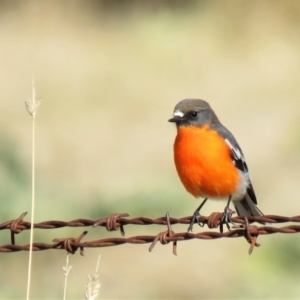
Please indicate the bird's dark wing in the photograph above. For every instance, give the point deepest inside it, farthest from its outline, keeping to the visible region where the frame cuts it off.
(237, 155)
(239, 161)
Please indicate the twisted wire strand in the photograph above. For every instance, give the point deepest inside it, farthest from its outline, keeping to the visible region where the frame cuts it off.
(243, 228)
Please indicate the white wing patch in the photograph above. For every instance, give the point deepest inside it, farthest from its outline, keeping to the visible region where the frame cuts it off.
(237, 155)
(239, 161)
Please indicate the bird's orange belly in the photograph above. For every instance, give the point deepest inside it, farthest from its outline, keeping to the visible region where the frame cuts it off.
(203, 163)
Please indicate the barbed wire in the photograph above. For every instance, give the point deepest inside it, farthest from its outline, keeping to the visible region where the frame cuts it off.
(242, 228)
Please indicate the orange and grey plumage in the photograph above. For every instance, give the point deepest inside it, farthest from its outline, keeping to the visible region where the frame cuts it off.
(208, 159)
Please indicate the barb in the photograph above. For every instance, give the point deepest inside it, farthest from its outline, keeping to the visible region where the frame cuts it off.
(14, 227)
(162, 237)
(66, 243)
(111, 223)
(251, 239)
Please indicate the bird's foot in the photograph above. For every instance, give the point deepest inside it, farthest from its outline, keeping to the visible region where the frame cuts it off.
(195, 219)
(226, 219)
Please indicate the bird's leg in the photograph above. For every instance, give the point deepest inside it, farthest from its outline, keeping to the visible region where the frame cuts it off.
(226, 218)
(196, 217)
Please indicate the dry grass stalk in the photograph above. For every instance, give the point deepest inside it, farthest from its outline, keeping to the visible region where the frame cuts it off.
(92, 288)
(32, 106)
(66, 269)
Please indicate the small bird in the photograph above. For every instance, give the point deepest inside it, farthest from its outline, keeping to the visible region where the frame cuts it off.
(210, 162)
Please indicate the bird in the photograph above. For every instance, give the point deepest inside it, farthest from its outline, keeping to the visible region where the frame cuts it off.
(210, 162)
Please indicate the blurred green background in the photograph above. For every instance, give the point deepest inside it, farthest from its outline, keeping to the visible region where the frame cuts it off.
(109, 74)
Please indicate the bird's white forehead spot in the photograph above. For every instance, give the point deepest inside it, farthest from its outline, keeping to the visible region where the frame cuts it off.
(178, 113)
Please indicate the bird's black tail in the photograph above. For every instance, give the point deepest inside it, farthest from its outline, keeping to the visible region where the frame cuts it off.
(246, 207)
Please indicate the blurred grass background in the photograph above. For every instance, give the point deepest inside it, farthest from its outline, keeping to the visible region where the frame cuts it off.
(109, 74)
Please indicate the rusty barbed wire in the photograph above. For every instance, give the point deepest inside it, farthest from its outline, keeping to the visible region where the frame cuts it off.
(121, 220)
(242, 228)
(143, 239)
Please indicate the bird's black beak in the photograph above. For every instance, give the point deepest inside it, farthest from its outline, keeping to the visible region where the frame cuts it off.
(175, 119)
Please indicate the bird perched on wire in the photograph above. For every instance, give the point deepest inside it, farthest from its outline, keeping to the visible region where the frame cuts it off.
(210, 162)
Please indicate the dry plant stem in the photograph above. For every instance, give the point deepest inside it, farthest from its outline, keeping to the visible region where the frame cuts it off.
(31, 107)
(66, 269)
(91, 289)
(32, 213)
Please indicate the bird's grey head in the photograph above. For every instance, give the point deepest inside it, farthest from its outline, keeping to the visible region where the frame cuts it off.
(193, 112)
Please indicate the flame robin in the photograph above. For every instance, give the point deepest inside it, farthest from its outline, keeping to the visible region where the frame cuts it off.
(209, 161)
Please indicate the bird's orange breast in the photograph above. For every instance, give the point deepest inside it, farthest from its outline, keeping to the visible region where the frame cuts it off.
(203, 162)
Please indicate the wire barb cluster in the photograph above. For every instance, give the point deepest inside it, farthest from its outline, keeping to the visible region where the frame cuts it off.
(242, 228)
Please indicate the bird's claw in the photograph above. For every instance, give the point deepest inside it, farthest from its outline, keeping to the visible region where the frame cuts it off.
(195, 219)
(226, 219)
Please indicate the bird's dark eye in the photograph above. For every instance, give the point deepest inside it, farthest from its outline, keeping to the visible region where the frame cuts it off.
(193, 114)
